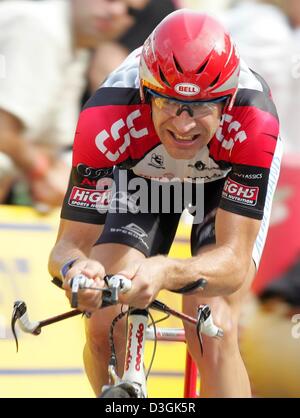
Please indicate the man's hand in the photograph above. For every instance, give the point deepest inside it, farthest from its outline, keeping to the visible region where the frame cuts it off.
(88, 300)
(148, 277)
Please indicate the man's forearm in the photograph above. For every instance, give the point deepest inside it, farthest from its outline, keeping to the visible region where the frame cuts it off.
(60, 255)
(223, 270)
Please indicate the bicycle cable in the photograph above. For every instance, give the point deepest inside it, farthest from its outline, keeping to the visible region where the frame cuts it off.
(113, 358)
(155, 344)
(164, 318)
(199, 335)
(154, 323)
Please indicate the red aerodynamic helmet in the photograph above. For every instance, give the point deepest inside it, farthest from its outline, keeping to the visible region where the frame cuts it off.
(190, 56)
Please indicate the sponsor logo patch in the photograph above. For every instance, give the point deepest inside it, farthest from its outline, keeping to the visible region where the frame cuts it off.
(89, 199)
(254, 176)
(120, 130)
(134, 231)
(199, 166)
(187, 89)
(93, 173)
(157, 161)
(240, 193)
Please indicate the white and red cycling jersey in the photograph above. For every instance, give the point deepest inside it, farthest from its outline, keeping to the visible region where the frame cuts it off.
(115, 129)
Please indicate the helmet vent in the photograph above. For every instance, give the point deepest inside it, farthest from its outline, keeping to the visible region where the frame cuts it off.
(202, 68)
(179, 69)
(162, 76)
(215, 80)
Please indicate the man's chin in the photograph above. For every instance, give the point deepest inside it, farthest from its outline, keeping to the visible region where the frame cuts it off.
(179, 154)
(182, 150)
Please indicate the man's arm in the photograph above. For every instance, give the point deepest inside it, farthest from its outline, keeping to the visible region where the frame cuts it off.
(47, 176)
(13, 144)
(74, 241)
(225, 264)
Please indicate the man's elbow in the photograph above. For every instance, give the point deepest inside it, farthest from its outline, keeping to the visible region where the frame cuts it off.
(238, 276)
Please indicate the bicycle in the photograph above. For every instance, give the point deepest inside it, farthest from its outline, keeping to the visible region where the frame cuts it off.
(133, 383)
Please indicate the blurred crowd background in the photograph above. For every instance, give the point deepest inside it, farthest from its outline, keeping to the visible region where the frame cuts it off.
(55, 53)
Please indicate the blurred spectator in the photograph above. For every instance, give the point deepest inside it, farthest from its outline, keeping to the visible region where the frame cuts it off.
(266, 41)
(268, 36)
(43, 61)
(145, 21)
(270, 334)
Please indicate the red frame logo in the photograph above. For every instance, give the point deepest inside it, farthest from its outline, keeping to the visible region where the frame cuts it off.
(140, 336)
(129, 355)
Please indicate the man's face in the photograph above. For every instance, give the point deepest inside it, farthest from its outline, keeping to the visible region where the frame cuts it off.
(292, 8)
(184, 135)
(99, 20)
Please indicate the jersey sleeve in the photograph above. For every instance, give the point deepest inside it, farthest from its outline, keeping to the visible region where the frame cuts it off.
(109, 133)
(88, 195)
(255, 159)
(91, 178)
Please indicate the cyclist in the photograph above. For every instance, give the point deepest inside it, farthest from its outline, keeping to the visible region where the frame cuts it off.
(185, 107)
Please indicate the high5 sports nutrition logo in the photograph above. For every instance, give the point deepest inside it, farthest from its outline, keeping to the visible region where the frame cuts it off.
(240, 193)
(89, 199)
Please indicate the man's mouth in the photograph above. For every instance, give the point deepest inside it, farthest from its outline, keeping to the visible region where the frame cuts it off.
(184, 138)
(103, 23)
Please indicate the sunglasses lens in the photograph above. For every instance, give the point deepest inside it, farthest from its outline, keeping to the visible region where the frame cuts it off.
(171, 107)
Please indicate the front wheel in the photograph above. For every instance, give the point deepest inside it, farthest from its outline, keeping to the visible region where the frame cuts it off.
(120, 391)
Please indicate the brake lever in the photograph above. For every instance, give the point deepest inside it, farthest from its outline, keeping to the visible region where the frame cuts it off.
(203, 313)
(19, 311)
(14, 318)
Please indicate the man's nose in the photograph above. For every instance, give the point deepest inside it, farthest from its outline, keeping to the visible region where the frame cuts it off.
(184, 122)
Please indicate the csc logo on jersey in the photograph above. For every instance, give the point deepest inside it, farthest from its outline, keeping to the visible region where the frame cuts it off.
(234, 130)
(240, 193)
(114, 133)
